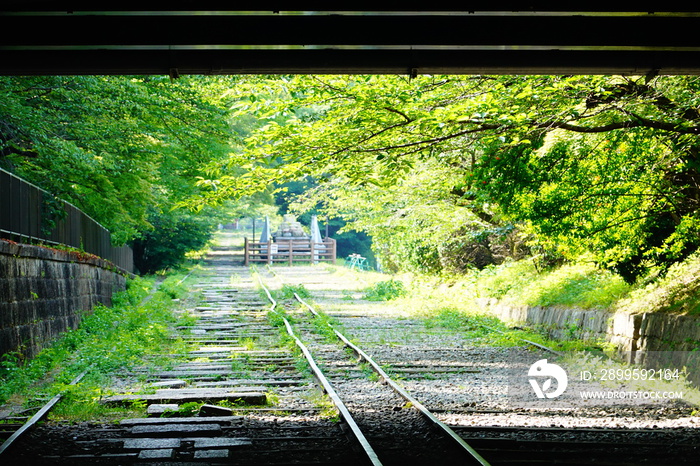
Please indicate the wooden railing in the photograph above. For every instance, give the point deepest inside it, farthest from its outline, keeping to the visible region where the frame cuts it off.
(290, 250)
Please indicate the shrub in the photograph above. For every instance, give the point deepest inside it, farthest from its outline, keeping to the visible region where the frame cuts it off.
(582, 285)
(386, 290)
(173, 236)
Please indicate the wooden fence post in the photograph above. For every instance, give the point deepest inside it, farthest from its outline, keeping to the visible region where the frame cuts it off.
(246, 252)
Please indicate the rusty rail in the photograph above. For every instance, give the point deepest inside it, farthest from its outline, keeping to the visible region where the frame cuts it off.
(344, 412)
(471, 455)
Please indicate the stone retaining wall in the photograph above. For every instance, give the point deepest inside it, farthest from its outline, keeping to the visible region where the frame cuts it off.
(641, 338)
(44, 292)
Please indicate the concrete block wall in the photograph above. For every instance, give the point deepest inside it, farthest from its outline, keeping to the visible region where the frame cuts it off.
(44, 292)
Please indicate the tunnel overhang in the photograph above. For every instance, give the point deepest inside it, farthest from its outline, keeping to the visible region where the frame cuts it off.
(174, 38)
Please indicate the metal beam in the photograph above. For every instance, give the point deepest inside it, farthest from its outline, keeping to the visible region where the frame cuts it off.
(208, 62)
(153, 40)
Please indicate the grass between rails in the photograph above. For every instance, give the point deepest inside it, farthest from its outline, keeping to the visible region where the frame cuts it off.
(288, 307)
(109, 340)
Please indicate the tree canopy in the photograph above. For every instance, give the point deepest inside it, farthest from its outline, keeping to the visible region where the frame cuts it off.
(125, 150)
(112, 146)
(602, 164)
(444, 172)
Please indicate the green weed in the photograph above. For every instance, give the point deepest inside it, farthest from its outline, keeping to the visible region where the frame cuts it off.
(288, 291)
(582, 285)
(173, 287)
(189, 409)
(248, 343)
(328, 409)
(386, 290)
(324, 325)
(272, 398)
(108, 340)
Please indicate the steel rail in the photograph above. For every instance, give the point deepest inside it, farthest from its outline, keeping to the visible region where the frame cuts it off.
(473, 455)
(327, 386)
(37, 417)
(53, 401)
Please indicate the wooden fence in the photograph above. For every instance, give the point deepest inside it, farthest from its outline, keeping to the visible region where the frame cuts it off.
(290, 250)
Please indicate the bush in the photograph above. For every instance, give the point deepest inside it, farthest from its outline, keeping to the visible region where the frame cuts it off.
(288, 291)
(478, 247)
(173, 236)
(577, 284)
(386, 290)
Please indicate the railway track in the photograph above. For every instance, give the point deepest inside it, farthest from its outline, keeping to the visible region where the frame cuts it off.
(254, 404)
(392, 426)
(426, 368)
(258, 400)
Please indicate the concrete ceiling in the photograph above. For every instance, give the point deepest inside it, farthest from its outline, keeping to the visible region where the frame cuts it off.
(208, 37)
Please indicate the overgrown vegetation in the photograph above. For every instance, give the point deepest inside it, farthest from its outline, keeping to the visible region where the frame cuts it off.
(109, 340)
(581, 284)
(487, 330)
(288, 291)
(552, 190)
(386, 290)
(678, 291)
(326, 326)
